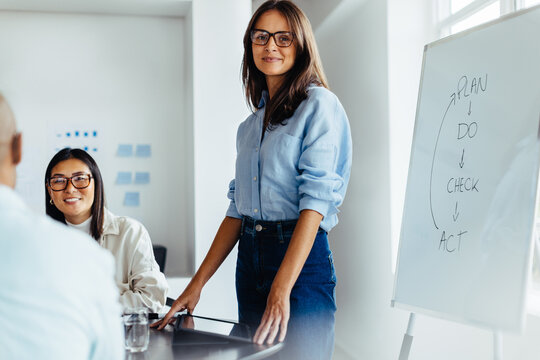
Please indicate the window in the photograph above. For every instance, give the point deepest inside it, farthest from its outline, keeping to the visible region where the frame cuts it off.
(528, 3)
(458, 15)
(490, 12)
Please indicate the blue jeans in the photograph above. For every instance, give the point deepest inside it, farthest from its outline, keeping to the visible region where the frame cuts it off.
(262, 246)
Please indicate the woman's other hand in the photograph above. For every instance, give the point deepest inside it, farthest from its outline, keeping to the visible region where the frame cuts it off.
(275, 318)
(277, 312)
(225, 240)
(186, 301)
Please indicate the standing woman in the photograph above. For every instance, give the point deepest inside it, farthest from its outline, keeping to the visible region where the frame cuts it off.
(74, 195)
(292, 169)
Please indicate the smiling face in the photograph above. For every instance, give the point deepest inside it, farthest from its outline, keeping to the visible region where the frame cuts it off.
(273, 61)
(75, 204)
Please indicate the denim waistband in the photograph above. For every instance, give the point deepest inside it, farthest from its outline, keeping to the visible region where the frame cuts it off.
(269, 227)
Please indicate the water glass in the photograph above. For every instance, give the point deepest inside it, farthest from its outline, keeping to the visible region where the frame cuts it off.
(137, 332)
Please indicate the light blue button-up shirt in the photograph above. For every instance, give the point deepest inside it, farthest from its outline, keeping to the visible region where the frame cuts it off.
(304, 164)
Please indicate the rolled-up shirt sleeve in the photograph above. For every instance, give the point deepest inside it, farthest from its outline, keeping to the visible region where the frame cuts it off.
(147, 285)
(232, 211)
(325, 161)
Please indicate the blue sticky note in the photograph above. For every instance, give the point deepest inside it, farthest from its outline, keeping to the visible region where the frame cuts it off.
(142, 178)
(124, 150)
(132, 199)
(143, 150)
(123, 178)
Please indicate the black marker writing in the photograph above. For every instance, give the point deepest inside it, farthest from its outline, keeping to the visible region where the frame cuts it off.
(462, 184)
(452, 242)
(469, 130)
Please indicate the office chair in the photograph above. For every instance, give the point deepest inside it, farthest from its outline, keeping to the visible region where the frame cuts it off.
(160, 254)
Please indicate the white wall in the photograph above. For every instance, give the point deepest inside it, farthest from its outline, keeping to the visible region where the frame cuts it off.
(219, 107)
(173, 82)
(356, 67)
(410, 27)
(122, 76)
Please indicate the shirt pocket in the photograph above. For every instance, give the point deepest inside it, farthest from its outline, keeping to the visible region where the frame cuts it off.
(279, 160)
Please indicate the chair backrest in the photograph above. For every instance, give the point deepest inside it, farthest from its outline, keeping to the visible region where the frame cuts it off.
(160, 254)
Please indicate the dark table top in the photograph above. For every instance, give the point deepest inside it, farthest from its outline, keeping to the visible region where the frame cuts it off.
(160, 348)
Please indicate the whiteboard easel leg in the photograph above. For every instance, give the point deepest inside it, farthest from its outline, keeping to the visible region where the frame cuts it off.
(407, 339)
(497, 345)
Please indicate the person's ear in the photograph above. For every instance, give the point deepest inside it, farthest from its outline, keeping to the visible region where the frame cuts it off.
(48, 189)
(16, 148)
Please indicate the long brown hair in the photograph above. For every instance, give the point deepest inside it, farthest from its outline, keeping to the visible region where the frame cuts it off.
(97, 210)
(307, 69)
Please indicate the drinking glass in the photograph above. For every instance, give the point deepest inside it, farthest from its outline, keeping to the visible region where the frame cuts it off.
(137, 332)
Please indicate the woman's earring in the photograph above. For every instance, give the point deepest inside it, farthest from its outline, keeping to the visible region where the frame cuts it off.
(50, 201)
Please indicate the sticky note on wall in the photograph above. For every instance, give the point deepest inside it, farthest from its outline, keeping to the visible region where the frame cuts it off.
(124, 150)
(123, 178)
(132, 199)
(142, 178)
(143, 150)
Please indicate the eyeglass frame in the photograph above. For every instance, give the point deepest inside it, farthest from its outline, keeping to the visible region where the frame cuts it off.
(69, 179)
(251, 33)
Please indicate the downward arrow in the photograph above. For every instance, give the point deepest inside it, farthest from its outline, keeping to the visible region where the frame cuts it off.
(456, 213)
(461, 163)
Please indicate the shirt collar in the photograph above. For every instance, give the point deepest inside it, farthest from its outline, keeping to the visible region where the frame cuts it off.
(264, 98)
(110, 227)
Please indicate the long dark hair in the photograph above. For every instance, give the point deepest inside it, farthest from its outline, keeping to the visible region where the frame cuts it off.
(96, 225)
(307, 69)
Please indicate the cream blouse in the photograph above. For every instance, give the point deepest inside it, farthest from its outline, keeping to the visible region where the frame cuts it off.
(137, 274)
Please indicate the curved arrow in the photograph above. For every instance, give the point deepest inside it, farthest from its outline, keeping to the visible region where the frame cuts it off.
(433, 164)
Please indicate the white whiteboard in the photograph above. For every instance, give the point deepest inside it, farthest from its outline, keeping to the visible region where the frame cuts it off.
(466, 237)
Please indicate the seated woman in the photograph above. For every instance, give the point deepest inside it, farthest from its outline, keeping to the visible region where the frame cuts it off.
(75, 196)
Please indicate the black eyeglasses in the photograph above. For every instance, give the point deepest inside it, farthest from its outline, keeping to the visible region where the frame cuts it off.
(281, 38)
(59, 183)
